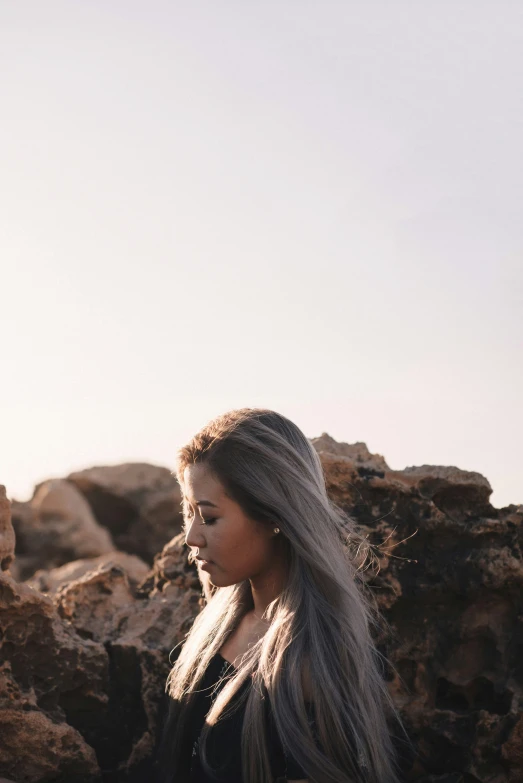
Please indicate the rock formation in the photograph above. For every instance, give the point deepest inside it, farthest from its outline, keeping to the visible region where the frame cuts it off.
(82, 676)
(7, 534)
(48, 581)
(39, 657)
(138, 503)
(82, 669)
(452, 597)
(358, 453)
(133, 508)
(55, 527)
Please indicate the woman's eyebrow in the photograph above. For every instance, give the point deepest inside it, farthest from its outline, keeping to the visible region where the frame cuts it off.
(202, 502)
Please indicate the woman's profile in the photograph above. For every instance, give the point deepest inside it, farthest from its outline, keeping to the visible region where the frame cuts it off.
(278, 678)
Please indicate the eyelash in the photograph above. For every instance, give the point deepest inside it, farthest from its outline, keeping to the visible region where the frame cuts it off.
(188, 518)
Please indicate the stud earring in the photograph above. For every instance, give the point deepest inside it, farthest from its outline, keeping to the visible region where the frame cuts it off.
(276, 529)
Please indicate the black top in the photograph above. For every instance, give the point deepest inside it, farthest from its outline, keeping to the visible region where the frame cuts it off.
(224, 739)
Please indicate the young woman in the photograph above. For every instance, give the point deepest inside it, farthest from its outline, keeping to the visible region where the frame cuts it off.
(278, 678)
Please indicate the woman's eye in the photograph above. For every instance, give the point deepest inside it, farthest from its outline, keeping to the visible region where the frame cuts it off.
(188, 518)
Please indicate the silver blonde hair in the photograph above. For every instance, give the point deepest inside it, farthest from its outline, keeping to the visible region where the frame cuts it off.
(321, 621)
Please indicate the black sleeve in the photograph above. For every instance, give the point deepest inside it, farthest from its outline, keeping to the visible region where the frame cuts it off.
(293, 771)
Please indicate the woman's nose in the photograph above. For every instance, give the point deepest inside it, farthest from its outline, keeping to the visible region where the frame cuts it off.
(193, 536)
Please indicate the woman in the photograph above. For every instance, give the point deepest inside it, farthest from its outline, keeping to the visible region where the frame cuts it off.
(278, 677)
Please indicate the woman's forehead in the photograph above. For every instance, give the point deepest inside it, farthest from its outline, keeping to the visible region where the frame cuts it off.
(199, 485)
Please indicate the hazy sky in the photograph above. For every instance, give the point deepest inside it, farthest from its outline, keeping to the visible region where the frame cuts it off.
(310, 206)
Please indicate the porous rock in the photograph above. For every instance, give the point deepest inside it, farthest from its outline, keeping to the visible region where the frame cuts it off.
(7, 534)
(358, 453)
(450, 587)
(83, 676)
(48, 678)
(49, 581)
(139, 636)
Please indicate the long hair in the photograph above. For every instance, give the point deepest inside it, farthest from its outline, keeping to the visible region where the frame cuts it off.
(321, 622)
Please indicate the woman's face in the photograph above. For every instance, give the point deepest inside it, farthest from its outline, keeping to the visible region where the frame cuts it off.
(217, 529)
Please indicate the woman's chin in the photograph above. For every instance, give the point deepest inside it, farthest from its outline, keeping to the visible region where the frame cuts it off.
(222, 581)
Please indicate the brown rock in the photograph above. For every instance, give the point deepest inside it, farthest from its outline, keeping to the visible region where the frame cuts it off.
(452, 490)
(49, 581)
(55, 527)
(55, 747)
(138, 503)
(139, 636)
(91, 602)
(47, 678)
(512, 752)
(450, 587)
(171, 566)
(98, 669)
(355, 452)
(7, 534)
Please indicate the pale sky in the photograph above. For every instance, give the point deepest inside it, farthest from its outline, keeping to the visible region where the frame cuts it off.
(314, 207)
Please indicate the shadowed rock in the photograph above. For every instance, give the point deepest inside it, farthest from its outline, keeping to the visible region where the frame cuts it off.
(55, 527)
(82, 677)
(138, 503)
(7, 534)
(45, 666)
(452, 595)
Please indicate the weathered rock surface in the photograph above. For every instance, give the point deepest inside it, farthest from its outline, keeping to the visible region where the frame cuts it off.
(355, 452)
(138, 503)
(7, 534)
(82, 677)
(452, 595)
(48, 677)
(86, 667)
(55, 527)
(171, 567)
(49, 581)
